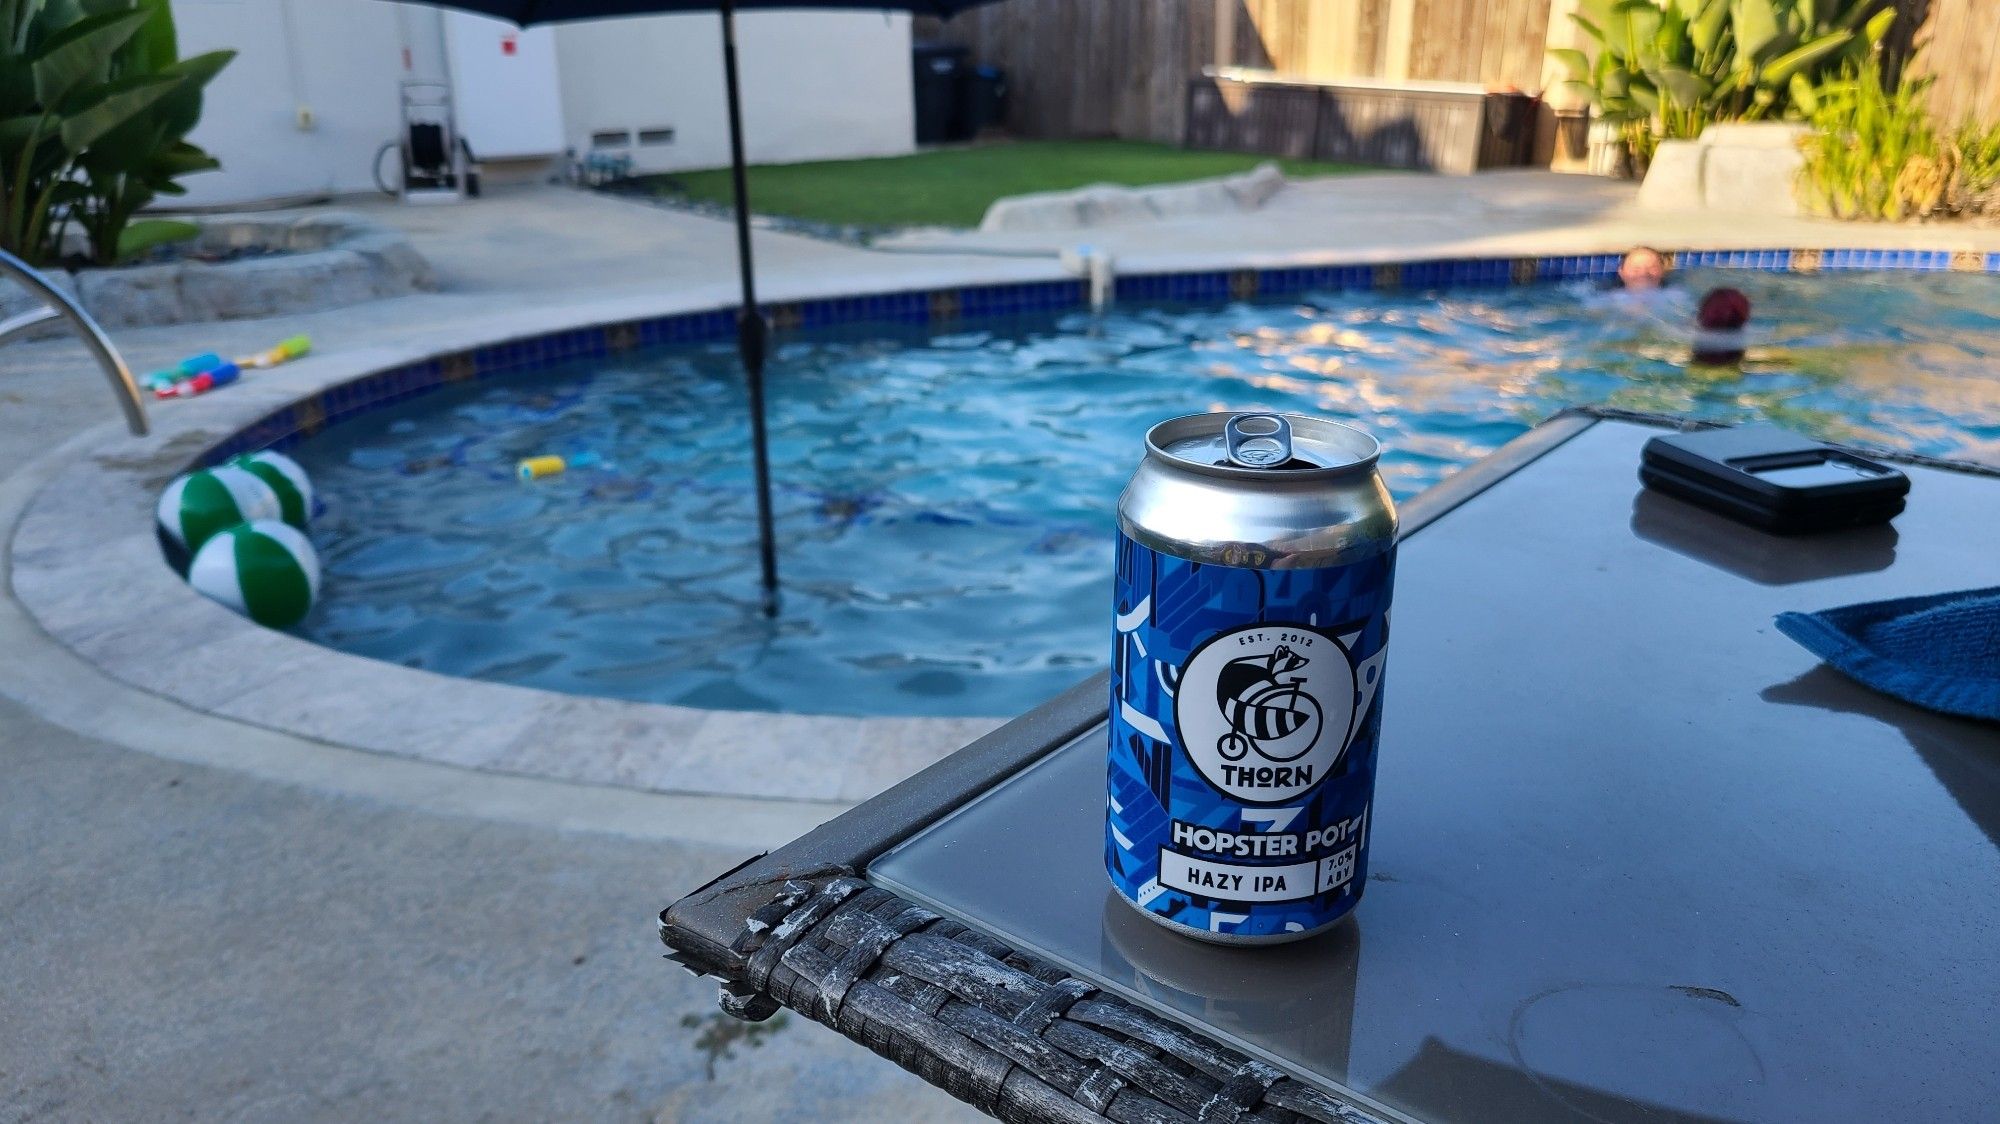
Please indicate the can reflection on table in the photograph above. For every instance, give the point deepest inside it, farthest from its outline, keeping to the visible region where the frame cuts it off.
(1256, 555)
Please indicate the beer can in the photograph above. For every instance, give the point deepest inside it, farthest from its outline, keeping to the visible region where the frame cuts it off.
(1256, 555)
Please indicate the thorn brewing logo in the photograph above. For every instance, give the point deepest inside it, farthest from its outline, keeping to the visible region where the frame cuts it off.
(1264, 711)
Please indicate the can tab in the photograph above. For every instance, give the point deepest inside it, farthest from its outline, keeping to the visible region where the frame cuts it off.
(1258, 440)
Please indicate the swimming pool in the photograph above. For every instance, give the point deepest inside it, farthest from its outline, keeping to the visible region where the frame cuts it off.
(944, 498)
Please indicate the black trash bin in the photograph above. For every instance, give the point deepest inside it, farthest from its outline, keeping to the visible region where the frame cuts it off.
(985, 99)
(939, 83)
(1507, 139)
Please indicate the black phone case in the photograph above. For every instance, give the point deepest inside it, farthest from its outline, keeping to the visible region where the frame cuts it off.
(1706, 468)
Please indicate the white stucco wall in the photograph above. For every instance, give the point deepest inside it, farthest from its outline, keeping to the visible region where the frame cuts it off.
(342, 60)
(816, 85)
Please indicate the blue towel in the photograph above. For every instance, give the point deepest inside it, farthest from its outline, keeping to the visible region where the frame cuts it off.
(1941, 652)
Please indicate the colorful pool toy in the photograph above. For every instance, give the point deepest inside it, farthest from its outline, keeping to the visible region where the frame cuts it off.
(200, 383)
(534, 468)
(199, 374)
(162, 380)
(265, 570)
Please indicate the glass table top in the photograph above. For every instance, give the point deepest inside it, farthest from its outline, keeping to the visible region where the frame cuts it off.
(1636, 856)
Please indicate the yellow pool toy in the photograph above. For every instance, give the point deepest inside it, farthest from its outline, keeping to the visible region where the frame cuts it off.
(534, 468)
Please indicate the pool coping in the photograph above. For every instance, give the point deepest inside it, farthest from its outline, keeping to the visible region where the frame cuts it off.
(89, 529)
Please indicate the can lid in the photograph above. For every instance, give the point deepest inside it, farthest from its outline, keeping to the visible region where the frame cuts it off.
(1261, 444)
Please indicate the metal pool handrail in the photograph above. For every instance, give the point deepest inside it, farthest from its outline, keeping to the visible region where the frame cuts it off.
(61, 304)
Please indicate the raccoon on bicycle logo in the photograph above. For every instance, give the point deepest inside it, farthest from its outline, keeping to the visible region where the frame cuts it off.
(1264, 711)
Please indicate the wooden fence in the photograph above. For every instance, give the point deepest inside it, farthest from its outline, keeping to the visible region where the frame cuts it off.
(1090, 68)
(1960, 48)
(1095, 68)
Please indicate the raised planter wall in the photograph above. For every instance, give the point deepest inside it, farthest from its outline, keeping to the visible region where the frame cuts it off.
(1427, 126)
(324, 260)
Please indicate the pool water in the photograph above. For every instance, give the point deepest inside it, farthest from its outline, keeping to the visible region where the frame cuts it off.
(944, 501)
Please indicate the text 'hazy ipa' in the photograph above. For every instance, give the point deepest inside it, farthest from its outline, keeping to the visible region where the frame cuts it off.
(1256, 553)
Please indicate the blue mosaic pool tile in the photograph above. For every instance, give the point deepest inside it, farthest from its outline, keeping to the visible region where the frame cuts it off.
(1573, 267)
(1424, 274)
(1353, 277)
(1483, 271)
(1278, 282)
(1015, 300)
(1212, 285)
(1140, 287)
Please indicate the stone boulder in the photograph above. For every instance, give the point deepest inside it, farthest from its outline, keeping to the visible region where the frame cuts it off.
(1105, 204)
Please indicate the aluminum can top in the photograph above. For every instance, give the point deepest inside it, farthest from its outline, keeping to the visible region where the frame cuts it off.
(1264, 490)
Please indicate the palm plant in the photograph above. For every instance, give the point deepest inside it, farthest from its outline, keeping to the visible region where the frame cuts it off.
(1666, 69)
(94, 111)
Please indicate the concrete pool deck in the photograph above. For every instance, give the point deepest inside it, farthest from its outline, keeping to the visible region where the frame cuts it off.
(602, 858)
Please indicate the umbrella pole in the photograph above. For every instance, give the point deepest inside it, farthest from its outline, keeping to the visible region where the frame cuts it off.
(751, 331)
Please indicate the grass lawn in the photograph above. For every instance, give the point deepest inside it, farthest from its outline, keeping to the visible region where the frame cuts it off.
(953, 187)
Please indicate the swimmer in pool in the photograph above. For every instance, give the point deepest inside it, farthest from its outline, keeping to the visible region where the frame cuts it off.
(1641, 269)
(1719, 339)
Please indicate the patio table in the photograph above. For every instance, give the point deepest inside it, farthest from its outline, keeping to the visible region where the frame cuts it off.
(1636, 855)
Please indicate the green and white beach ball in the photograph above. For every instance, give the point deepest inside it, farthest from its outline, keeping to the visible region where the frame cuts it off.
(293, 488)
(266, 570)
(198, 505)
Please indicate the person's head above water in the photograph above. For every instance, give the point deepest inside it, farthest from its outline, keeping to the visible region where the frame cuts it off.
(1720, 319)
(1642, 268)
(1723, 310)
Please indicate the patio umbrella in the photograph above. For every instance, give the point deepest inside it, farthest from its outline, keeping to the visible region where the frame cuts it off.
(751, 330)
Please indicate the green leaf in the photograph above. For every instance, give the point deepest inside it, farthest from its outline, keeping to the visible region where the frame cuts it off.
(1756, 25)
(1878, 25)
(1680, 85)
(174, 116)
(1705, 29)
(1590, 27)
(1583, 90)
(1803, 95)
(1642, 19)
(1643, 93)
(17, 85)
(1574, 61)
(15, 131)
(1784, 67)
(1670, 42)
(117, 103)
(155, 47)
(80, 54)
(143, 235)
(182, 108)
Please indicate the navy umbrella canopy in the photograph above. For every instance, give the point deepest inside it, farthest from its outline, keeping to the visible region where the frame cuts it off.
(751, 331)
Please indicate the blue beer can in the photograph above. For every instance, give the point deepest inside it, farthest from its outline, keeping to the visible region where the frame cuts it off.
(1256, 555)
